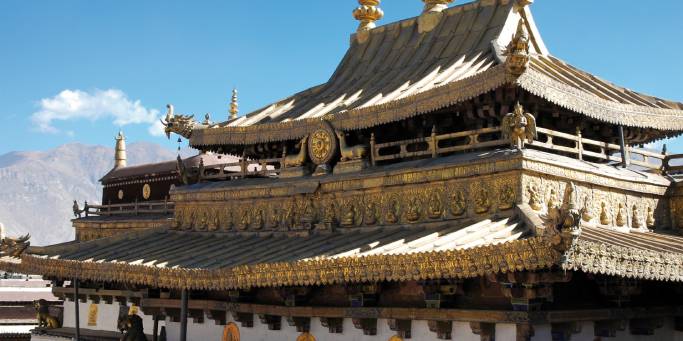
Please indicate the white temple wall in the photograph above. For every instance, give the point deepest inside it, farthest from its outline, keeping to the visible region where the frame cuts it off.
(209, 331)
(420, 332)
(107, 316)
(463, 332)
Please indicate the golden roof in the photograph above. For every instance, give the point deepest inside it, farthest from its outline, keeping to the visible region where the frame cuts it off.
(402, 70)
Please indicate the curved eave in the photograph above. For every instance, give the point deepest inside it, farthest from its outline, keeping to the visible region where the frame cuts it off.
(567, 87)
(520, 255)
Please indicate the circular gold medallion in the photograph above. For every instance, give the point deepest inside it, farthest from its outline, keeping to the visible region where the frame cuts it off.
(305, 336)
(322, 145)
(231, 332)
(120, 194)
(146, 191)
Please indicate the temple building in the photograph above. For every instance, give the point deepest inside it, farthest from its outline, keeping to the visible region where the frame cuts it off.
(453, 180)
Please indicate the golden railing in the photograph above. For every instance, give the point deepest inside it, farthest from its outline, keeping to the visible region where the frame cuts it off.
(555, 141)
(671, 168)
(581, 147)
(130, 209)
(434, 145)
(241, 169)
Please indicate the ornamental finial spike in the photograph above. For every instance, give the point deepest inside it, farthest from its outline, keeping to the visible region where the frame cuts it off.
(367, 13)
(234, 107)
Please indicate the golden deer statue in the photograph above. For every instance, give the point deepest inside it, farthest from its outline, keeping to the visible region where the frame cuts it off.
(356, 152)
(296, 160)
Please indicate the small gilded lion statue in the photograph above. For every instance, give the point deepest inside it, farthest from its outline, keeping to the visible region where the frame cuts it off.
(519, 127)
(45, 320)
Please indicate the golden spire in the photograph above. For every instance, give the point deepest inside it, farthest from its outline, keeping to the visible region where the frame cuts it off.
(436, 5)
(367, 13)
(234, 107)
(120, 151)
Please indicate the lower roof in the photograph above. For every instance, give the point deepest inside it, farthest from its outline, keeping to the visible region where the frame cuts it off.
(221, 261)
(173, 259)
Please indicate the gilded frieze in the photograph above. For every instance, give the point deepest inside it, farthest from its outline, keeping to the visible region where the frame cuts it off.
(603, 206)
(405, 204)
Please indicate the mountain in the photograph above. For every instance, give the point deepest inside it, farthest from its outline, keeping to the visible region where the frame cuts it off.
(37, 189)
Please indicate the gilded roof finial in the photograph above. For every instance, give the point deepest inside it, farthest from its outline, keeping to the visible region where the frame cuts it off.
(234, 107)
(432, 14)
(367, 13)
(120, 151)
(436, 5)
(520, 4)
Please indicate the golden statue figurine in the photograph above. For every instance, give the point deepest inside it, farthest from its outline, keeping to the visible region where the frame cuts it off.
(45, 320)
(519, 127)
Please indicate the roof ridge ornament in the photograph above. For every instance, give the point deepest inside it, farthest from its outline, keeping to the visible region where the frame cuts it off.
(432, 14)
(517, 52)
(367, 13)
(521, 4)
(234, 106)
(179, 124)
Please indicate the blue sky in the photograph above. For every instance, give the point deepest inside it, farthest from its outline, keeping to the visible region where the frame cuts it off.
(132, 57)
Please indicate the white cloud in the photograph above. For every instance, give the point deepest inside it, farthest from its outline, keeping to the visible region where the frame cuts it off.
(71, 105)
(156, 129)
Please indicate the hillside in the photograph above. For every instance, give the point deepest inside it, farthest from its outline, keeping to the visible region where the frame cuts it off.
(38, 188)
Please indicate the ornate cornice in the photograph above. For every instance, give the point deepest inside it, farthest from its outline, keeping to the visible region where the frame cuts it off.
(578, 100)
(529, 254)
(629, 262)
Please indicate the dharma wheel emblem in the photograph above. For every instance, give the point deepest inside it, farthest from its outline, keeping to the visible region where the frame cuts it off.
(322, 145)
(146, 191)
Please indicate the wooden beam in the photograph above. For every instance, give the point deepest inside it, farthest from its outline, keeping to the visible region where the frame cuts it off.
(425, 314)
